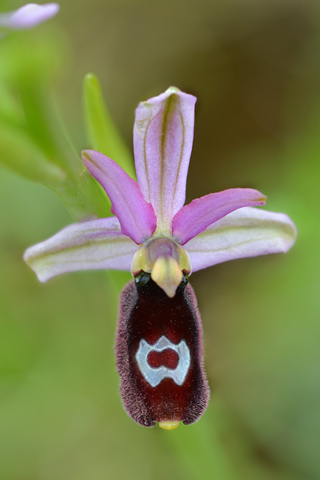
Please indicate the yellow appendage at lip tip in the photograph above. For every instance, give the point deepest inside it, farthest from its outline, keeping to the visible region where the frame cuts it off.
(169, 425)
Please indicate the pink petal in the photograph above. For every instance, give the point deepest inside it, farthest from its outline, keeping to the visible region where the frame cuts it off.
(96, 244)
(136, 216)
(203, 212)
(29, 15)
(162, 137)
(247, 232)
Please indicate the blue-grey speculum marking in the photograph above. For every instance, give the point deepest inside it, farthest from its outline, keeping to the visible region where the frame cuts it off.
(154, 375)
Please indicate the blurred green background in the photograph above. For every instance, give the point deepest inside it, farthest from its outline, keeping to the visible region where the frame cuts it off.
(255, 68)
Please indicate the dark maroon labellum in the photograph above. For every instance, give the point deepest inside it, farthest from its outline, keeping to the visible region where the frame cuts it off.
(159, 354)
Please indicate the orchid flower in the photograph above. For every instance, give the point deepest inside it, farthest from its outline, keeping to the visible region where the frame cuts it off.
(159, 336)
(28, 16)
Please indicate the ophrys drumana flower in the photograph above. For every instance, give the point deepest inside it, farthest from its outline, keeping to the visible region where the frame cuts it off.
(152, 233)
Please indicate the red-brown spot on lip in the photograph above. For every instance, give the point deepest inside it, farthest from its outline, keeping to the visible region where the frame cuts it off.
(168, 358)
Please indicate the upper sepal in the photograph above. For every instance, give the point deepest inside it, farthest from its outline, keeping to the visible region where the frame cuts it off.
(162, 139)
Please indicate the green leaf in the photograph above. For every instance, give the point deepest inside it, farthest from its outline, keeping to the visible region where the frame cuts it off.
(83, 197)
(21, 155)
(101, 130)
